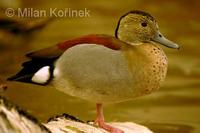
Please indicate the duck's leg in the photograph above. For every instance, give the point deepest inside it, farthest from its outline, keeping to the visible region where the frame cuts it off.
(100, 121)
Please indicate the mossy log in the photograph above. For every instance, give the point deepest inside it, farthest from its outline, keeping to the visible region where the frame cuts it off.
(14, 120)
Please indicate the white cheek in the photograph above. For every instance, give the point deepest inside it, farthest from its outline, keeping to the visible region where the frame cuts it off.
(42, 75)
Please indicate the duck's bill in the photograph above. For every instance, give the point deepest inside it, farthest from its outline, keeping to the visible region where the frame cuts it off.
(159, 38)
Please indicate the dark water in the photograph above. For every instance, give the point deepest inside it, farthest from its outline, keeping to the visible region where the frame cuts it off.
(175, 108)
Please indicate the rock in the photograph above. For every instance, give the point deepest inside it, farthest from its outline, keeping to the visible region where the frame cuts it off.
(13, 119)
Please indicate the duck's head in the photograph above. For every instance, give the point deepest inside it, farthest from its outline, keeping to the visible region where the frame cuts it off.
(138, 26)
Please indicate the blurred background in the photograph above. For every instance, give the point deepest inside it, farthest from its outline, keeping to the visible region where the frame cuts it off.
(175, 108)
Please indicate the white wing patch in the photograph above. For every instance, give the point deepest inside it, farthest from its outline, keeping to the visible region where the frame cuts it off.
(42, 75)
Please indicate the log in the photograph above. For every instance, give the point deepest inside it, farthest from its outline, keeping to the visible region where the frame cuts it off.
(14, 120)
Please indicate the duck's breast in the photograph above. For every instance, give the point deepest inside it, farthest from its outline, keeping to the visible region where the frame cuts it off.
(148, 64)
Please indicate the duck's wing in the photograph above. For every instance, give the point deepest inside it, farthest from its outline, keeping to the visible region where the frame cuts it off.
(42, 61)
(55, 51)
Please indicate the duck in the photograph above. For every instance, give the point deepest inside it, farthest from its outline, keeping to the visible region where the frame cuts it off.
(102, 68)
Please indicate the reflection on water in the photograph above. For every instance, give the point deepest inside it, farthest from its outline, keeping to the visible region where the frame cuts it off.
(175, 108)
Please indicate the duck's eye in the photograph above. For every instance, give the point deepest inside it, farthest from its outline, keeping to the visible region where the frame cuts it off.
(144, 24)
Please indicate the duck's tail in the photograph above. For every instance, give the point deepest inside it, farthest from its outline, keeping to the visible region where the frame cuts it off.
(38, 71)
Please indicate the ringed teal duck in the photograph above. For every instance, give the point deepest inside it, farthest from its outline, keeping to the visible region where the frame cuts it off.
(102, 68)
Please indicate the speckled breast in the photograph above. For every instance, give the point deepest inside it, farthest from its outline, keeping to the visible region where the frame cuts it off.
(148, 64)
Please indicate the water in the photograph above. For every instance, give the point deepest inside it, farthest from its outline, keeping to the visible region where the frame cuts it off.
(175, 108)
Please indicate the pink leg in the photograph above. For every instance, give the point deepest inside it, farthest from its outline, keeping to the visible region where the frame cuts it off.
(100, 121)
